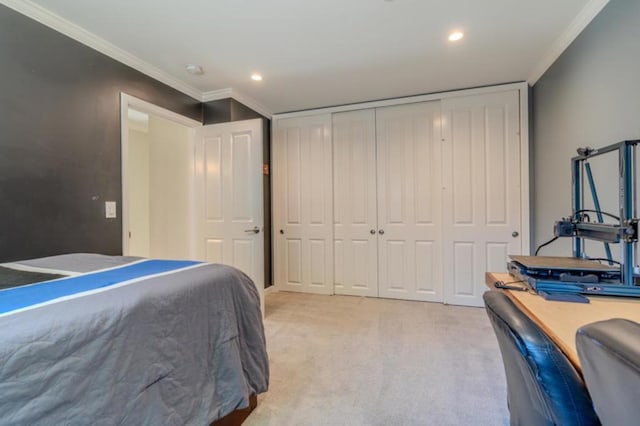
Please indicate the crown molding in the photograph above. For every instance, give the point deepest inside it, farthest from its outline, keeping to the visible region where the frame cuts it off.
(214, 95)
(79, 34)
(76, 32)
(248, 101)
(579, 23)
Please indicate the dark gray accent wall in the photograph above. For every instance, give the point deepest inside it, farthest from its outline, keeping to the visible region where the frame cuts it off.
(226, 110)
(589, 97)
(218, 111)
(60, 140)
(240, 111)
(266, 187)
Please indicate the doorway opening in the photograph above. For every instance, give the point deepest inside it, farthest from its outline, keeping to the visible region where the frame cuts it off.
(157, 181)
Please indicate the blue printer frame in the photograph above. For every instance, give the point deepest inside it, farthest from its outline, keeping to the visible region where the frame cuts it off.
(608, 281)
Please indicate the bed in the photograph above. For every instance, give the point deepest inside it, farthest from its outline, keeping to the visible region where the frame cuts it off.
(102, 340)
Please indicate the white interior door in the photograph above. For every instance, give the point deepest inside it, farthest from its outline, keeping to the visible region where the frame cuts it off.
(482, 217)
(409, 201)
(355, 204)
(229, 196)
(303, 204)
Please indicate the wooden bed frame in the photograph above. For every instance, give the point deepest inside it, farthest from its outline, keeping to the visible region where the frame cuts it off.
(236, 418)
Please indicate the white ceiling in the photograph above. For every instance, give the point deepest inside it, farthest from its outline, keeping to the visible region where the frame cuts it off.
(327, 52)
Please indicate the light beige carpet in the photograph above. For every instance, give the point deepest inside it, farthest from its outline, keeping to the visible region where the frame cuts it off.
(339, 360)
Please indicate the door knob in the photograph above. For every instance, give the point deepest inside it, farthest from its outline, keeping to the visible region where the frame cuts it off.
(372, 232)
(514, 234)
(381, 232)
(253, 230)
(282, 231)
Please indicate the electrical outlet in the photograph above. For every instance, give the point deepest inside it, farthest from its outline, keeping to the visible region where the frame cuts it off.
(110, 209)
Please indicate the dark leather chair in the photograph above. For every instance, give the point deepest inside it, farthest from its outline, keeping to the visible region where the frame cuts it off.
(609, 353)
(543, 388)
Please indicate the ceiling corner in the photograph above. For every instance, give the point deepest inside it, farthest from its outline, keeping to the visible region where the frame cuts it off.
(214, 95)
(229, 92)
(251, 103)
(79, 34)
(579, 23)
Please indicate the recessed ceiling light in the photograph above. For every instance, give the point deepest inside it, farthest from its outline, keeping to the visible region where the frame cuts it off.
(194, 69)
(456, 35)
(256, 77)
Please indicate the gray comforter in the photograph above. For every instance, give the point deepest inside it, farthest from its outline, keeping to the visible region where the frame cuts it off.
(180, 349)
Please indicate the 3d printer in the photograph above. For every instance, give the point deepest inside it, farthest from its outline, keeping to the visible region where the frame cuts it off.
(579, 274)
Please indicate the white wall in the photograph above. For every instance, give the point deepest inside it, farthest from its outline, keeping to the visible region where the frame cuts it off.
(170, 189)
(160, 179)
(589, 97)
(138, 173)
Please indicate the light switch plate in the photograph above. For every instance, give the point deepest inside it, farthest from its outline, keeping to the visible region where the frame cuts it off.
(110, 209)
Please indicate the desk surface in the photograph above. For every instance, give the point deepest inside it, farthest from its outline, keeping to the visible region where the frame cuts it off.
(561, 320)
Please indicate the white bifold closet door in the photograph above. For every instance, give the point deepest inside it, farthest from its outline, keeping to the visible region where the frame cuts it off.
(416, 201)
(481, 202)
(303, 212)
(355, 198)
(409, 202)
(387, 202)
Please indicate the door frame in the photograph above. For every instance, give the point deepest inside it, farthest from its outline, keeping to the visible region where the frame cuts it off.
(126, 102)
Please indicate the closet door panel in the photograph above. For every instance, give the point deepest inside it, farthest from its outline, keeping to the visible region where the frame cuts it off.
(409, 201)
(293, 185)
(303, 204)
(293, 258)
(289, 244)
(425, 267)
(354, 191)
(481, 205)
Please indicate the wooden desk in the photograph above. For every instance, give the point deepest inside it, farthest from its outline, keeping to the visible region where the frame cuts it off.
(561, 320)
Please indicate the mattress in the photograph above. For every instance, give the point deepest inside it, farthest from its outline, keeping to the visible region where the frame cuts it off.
(120, 340)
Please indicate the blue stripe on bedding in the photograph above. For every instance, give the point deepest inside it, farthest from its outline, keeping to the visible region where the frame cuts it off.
(22, 297)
